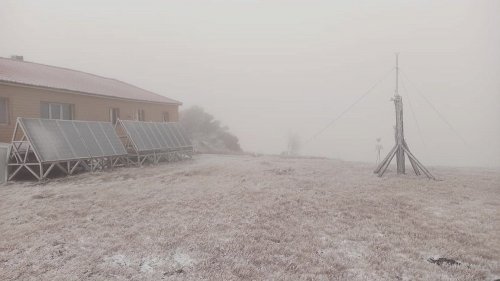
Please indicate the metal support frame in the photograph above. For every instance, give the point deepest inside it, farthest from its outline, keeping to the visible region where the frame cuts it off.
(23, 156)
(155, 157)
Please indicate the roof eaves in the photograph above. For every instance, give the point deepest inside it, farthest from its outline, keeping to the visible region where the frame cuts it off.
(8, 82)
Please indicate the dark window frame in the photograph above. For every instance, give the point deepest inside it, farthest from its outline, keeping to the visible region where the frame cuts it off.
(140, 115)
(112, 116)
(62, 107)
(167, 115)
(5, 101)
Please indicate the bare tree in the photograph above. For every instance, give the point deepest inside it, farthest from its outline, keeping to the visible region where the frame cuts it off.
(293, 145)
(378, 148)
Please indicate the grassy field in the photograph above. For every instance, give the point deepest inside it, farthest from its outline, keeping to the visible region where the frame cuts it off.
(252, 218)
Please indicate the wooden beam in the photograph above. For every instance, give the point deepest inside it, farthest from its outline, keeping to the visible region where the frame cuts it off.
(424, 170)
(385, 160)
(386, 164)
(414, 166)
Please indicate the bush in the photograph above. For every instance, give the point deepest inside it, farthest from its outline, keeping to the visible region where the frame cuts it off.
(207, 133)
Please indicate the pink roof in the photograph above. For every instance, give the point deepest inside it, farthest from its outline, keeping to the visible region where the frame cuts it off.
(40, 75)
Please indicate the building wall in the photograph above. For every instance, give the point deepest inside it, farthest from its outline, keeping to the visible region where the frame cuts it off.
(25, 102)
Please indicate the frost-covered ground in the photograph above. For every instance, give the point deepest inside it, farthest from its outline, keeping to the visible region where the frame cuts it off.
(252, 218)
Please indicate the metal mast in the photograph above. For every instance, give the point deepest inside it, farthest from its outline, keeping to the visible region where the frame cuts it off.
(401, 147)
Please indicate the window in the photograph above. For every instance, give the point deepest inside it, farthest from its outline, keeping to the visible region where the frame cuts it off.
(51, 110)
(166, 117)
(114, 114)
(4, 110)
(139, 115)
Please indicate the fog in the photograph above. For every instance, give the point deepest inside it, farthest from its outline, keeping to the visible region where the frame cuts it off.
(268, 69)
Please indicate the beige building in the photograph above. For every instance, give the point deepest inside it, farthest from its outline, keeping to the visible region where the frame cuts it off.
(40, 91)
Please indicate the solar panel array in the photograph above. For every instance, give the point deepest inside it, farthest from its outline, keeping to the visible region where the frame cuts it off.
(157, 136)
(63, 140)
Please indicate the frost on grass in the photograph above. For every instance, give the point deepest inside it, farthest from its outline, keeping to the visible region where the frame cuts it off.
(252, 218)
(117, 260)
(183, 259)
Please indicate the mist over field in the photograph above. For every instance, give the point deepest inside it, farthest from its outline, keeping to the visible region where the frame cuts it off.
(267, 169)
(268, 69)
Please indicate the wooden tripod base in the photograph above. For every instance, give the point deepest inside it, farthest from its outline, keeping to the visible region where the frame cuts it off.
(402, 148)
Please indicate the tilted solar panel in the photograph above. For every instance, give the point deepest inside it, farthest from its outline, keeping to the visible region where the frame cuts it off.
(150, 131)
(144, 135)
(64, 140)
(169, 131)
(59, 142)
(102, 139)
(88, 138)
(176, 133)
(113, 138)
(134, 135)
(158, 135)
(180, 136)
(40, 139)
(167, 143)
(184, 134)
(75, 141)
(162, 127)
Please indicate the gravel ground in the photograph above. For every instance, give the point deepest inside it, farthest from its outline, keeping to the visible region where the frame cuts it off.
(252, 218)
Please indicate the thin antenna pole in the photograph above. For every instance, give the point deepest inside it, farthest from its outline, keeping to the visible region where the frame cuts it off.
(397, 75)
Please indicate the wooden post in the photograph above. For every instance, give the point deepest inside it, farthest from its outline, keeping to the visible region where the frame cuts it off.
(401, 146)
(400, 154)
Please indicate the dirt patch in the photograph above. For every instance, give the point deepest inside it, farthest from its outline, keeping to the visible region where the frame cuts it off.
(282, 171)
(43, 196)
(174, 272)
(442, 261)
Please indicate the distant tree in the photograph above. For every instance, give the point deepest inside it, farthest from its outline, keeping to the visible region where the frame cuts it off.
(293, 145)
(207, 133)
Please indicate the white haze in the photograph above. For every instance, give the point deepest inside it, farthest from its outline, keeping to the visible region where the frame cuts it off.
(270, 68)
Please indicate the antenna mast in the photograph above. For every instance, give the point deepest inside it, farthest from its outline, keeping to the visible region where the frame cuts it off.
(401, 147)
(397, 76)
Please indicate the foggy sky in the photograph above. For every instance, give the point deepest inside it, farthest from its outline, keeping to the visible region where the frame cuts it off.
(270, 68)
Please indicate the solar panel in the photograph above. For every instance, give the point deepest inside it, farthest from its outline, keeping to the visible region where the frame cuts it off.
(67, 145)
(173, 137)
(64, 140)
(184, 134)
(134, 135)
(165, 139)
(113, 138)
(74, 139)
(88, 139)
(59, 142)
(102, 139)
(144, 135)
(40, 139)
(176, 133)
(156, 136)
(182, 140)
(166, 135)
(150, 130)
